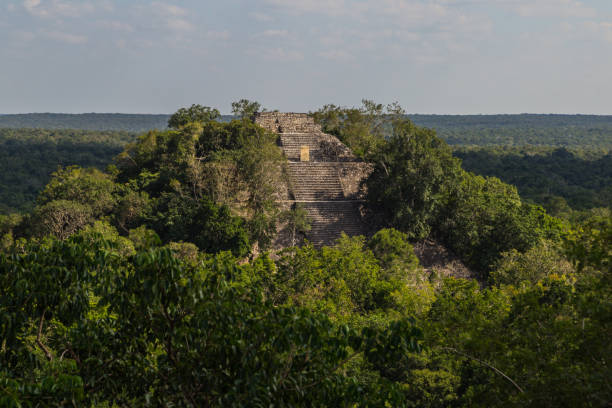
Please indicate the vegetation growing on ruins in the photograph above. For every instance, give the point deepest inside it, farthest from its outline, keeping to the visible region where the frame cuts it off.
(140, 285)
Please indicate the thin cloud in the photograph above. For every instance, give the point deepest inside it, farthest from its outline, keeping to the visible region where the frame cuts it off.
(59, 8)
(402, 10)
(166, 15)
(218, 35)
(330, 7)
(168, 9)
(32, 6)
(278, 54)
(67, 38)
(116, 26)
(601, 29)
(261, 17)
(423, 12)
(275, 33)
(21, 37)
(554, 8)
(179, 24)
(337, 55)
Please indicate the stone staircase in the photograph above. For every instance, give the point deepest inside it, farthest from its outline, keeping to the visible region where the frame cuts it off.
(326, 184)
(292, 142)
(311, 181)
(328, 219)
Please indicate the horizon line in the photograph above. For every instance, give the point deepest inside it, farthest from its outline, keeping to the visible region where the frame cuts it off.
(408, 114)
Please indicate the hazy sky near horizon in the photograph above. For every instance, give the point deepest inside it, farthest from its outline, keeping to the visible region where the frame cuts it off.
(432, 56)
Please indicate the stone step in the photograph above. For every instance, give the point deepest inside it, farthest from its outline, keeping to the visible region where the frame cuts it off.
(315, 181)
(297, 147)
(330, 219)
(291, 144)
(317, 196)
(331, 180)
(294, 141)
(307, 137)
(314, 190)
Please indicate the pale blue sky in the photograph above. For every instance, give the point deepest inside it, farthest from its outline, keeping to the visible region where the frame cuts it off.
(433, 56)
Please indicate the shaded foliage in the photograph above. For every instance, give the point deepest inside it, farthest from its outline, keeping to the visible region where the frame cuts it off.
(411, 171)
(29, 156)
(557, 179)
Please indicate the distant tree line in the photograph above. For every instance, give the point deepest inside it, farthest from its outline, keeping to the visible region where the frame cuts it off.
(85, 121)
(89, 121)
(524, 120)
(593, 131)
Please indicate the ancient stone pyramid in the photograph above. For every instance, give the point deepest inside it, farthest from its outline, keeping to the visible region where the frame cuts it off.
(324, 176)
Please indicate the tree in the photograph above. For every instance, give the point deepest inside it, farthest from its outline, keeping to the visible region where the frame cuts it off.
(411, 172)
(530, 267)
(589, 244)
(44, 289)
(245, 108)
(483, 217)
(89, 187)
(60, 218)
(236, 166)
(195, 113)
(362, 129)
(297, 221)
(395, 254)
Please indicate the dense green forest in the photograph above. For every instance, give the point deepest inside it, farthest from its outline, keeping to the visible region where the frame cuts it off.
(29, 156)
(85, 121)
(151, 283)
(558, 178)
(583, 131)
(128, 122)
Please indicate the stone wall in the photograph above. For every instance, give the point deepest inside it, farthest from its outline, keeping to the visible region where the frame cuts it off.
(287, 122)
(351, 175)
(331, 149)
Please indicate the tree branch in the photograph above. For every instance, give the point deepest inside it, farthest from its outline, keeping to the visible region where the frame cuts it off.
(38, 341)
(498, 371)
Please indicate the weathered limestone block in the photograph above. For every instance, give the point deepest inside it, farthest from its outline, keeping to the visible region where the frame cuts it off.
(351, 176)
(304, 153)
(287, 122)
